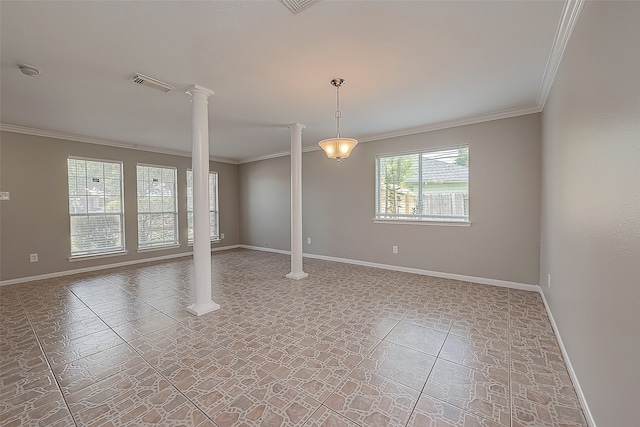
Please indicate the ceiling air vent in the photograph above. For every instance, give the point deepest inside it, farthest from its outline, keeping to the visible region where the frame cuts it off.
(143, 80)
(297, 6)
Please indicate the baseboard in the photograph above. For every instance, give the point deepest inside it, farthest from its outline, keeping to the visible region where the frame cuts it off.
(263, 249)
(106, 266)
(481, 280)
(567, 361)
(225, 248)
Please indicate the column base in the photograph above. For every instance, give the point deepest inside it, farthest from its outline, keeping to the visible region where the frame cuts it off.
(297, 276)
(203, 308)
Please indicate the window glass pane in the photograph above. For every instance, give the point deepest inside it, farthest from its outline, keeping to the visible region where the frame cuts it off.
(91, 196)
(168, 175)
(112, 187)
(398, 184)
(113, 204)
(190, 226)
(168, 204)
(111, 171)
(432, 185)
(157, 201)
(155, 174)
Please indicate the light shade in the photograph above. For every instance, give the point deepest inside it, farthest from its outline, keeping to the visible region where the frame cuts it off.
(338, 148)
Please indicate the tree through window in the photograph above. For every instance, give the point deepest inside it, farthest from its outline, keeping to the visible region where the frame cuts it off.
(430, 185)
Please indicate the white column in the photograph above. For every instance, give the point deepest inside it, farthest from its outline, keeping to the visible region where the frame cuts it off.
(200, 164)
(296, 202)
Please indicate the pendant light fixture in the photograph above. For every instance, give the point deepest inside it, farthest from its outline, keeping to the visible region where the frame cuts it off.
(338, 148)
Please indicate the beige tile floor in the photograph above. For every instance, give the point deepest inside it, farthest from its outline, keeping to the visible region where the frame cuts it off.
(347, 346)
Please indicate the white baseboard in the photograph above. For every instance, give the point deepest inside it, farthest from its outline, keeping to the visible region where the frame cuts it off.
(481, 280)
(225, 248)
(263, 249)
(567, 361)
(106, 266)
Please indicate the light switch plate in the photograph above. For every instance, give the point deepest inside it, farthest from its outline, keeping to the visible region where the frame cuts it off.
(4, 195)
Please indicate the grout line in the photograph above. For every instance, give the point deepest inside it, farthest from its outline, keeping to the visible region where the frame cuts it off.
(154, 367)
(189, 326)
(126, 342)
(46, 358)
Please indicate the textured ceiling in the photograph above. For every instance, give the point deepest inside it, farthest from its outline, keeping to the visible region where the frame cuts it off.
(408, 66)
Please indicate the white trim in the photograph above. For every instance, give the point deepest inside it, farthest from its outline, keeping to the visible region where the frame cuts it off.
(421, 222)
(157, 248)
(570, 14)
(480, 280)
(89, 269)
(572, 373)
(102, 141)
(263, 249)
(567, 23)
(225, 248)
(504, 114)
(278, 154)
(498, 115)
(96, 256)
(106, 266)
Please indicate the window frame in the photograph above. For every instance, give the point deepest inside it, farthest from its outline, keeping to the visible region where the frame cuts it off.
(420, 219)
(162, 244)
(112, 251)
(213, 237)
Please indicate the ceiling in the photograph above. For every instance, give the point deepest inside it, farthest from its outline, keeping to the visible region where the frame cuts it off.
(408, 65)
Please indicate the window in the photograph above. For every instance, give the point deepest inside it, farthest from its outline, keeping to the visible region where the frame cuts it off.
(157, 207)
(96, 207)
(213, 205)
(424, 186)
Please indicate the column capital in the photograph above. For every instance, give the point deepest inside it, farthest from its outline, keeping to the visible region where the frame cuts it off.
(295, 126)
(193, 89)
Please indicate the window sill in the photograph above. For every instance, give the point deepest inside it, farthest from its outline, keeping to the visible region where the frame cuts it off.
(212, 241)
(423, 222)
(96, 256)
(157, 248)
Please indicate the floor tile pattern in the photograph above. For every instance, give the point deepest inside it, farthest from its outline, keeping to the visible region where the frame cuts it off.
(349, 346)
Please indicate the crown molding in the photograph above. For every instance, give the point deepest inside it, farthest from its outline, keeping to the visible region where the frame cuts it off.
(504, 114)
(567, 23)
(101, 141)
(276, 155)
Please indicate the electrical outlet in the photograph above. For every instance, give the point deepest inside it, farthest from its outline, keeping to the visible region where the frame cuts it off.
(308, 240)
(4, 195)
(549, 280)
(221, 236)
(395, 249)
(33, 257)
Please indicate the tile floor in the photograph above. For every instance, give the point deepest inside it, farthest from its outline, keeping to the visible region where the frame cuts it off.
(347, 346)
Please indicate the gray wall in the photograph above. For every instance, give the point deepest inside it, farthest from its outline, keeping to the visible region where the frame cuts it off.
(338, 205)
(265, 203)
(36, 219)
(590, 229)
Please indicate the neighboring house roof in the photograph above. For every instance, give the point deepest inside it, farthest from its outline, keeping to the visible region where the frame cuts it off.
(439, 171)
